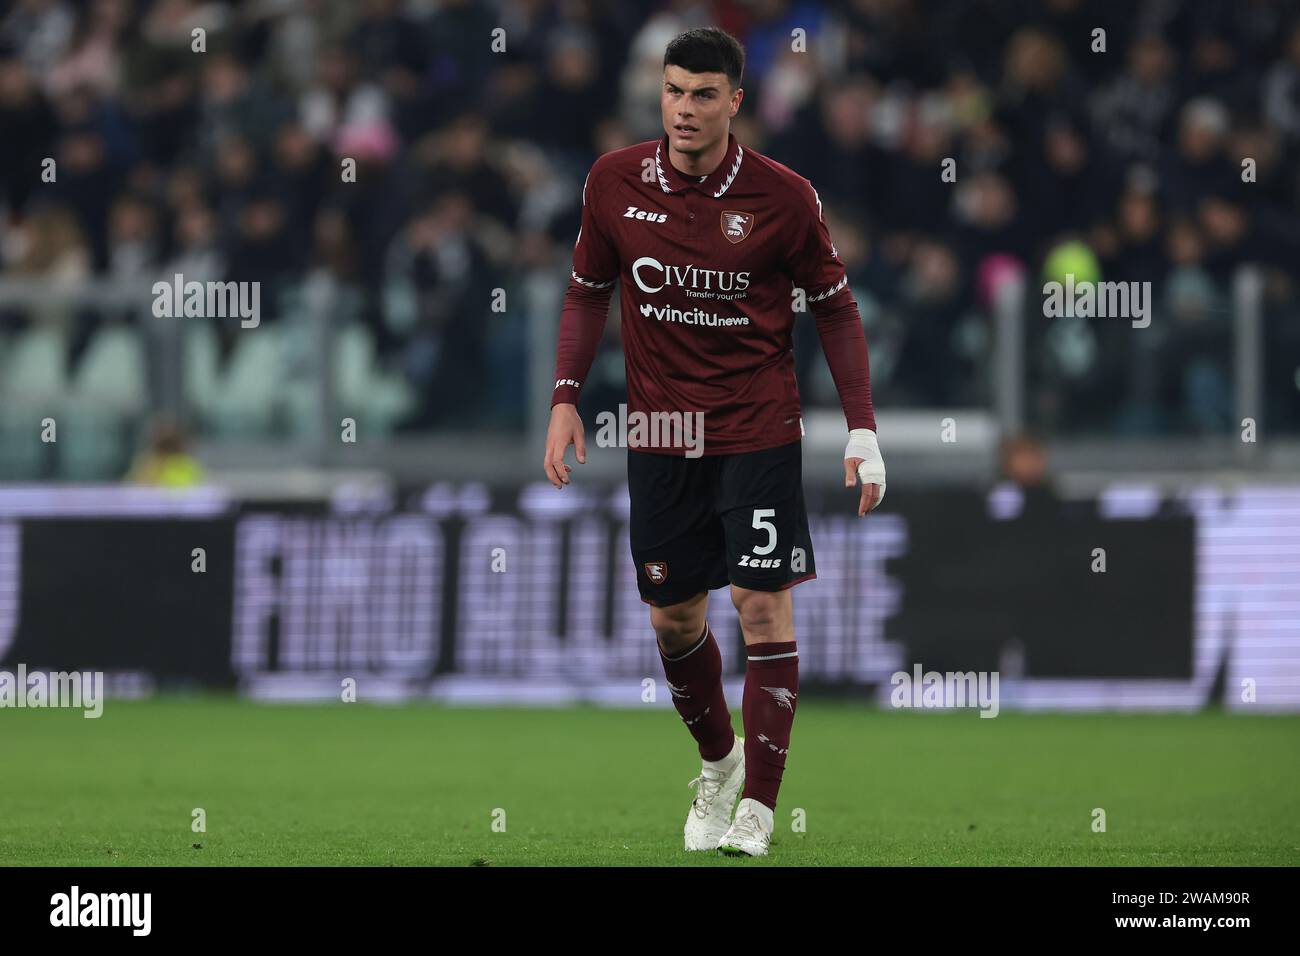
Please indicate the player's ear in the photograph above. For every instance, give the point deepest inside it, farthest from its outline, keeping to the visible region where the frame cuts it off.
(736, 97)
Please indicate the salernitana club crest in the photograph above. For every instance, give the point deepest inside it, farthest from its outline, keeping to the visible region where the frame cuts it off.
(736, 226)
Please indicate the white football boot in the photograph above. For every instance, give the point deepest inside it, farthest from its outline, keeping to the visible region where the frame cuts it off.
(750, 833)
(715, 795)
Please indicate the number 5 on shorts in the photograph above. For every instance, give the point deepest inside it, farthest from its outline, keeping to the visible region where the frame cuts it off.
(761, 525)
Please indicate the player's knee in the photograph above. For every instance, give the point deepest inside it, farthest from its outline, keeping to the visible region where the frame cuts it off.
(760, 611)
(675, 630)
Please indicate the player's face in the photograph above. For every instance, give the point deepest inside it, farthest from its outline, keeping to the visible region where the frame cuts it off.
(697, 109)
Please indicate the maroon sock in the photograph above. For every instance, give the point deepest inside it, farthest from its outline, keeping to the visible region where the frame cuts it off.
(771, 693)
(695, 681)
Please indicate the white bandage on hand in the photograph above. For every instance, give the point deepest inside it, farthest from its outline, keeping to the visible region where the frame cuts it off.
(871, 470)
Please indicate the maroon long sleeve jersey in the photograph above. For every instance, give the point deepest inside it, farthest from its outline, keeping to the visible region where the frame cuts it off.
(708, 268)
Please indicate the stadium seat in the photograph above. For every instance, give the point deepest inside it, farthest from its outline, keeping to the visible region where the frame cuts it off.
(22, 453)
(247, 391)
(34, 368)
(390, 399)
(354, 358)
(95, 442)
(376, 400)
(201, 361)
(113, 373)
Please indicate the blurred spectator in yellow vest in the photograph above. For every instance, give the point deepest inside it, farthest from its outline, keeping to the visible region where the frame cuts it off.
(166, 460)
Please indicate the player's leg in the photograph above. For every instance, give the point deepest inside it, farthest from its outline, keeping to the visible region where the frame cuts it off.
(677, 544)
(693, 669)
(767, 707)
(769, 551)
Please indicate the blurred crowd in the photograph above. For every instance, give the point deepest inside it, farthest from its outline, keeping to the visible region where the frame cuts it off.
(471, 147)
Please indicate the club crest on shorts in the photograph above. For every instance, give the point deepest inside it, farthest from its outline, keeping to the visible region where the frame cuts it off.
(656, 571)
(736, 226)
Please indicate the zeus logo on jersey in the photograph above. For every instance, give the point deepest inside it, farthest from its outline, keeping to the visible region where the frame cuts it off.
(634, 213)
(747, 562)
(651, 275)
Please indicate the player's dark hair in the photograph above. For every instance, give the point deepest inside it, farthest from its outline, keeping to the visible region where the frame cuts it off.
(708, 50)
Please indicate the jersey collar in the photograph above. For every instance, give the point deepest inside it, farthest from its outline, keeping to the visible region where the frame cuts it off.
(715, 184)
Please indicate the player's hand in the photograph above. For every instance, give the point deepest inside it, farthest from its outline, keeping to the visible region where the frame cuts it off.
(565, 430)
(862, 461)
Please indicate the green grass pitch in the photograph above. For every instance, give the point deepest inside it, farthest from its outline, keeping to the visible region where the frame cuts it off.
(419, 785)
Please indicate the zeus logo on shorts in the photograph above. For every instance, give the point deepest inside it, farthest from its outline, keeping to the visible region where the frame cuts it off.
(747, 562)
